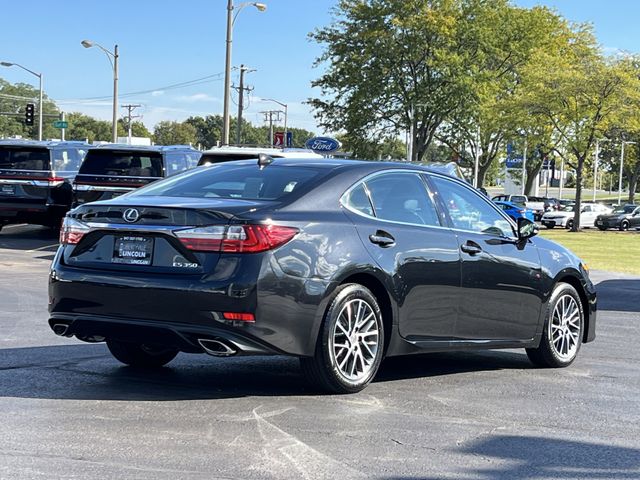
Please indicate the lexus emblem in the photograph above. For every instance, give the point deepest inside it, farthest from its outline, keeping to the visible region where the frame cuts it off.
(131, 215)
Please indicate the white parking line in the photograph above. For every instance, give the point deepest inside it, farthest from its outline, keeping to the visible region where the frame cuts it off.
(43, 248)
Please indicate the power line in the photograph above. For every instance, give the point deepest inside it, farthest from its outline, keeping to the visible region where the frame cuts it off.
(189, 83)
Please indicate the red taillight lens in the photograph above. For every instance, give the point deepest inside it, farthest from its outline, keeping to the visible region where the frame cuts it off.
(72, 231)
(236, 238)
(241, 317)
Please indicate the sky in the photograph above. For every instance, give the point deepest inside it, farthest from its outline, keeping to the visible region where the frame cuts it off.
(163, 43)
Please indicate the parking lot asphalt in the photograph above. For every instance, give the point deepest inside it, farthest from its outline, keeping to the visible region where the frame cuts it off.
(71, 411)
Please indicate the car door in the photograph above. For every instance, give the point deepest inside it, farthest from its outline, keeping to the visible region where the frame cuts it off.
(500, 298)
(588, 216)
(403, 231)
(634, 221)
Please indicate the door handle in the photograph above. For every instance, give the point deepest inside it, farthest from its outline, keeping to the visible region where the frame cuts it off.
(382, 239)
(471, 248)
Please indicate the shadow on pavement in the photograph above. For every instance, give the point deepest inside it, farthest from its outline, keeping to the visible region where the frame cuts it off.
(530, 458)
(620, 295)
(29, 237)
(88, 372)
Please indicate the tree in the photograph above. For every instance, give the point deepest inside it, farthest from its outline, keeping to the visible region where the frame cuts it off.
(174, 133)
(398, 65)
(14, 98)
(575, 89)
(84, 127)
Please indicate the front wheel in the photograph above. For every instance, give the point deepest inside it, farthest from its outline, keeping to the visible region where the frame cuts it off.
(569, 224)
(562, 335)
(139, 355)
(350, 344)
(601, 228)
(624, 226)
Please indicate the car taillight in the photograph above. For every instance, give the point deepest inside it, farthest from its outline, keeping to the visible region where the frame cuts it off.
(49, 182)
(239, 317)
(236, 238)
(72, 231)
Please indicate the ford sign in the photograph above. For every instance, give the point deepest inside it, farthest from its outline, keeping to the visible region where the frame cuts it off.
(323, 144)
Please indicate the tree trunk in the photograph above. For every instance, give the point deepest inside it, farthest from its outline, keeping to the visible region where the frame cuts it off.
(578, 206)
(531, 177)
(482, 172)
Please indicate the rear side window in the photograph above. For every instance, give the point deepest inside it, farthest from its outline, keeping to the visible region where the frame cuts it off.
(24, 158)
(402, 197)
(122, 163)
(247, 182)
(67, 159)
(518, 199)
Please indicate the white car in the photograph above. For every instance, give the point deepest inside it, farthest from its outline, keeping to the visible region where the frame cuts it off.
(564, 218)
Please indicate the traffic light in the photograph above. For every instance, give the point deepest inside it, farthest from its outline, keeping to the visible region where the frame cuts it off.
(29, 114)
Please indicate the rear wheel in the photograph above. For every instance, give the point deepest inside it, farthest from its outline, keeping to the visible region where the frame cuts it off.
(624, 225)
(569, 224)
(562, 335)
(350, 344)
(140, 355)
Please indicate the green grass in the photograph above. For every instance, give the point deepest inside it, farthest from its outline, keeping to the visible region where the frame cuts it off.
(609, 250)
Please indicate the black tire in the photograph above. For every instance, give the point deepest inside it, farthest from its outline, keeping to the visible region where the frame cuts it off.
(322, 370)
(624, 226)
(137, 355)
(546, 354)
(601, 228)
(548, 225)
(569, 224)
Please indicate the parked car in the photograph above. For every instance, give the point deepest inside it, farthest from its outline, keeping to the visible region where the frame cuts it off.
(515, 211)
(564, 218)
(340, 263)
(621, 218)
(35, 180)
(111, 170)
(536, 206)
(232, 153)
(550, 204)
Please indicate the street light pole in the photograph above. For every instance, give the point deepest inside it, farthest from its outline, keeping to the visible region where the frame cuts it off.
(231, 20)
(621, 165)
(40, 101)
(113, 60)
(524, 166)
(477, 159)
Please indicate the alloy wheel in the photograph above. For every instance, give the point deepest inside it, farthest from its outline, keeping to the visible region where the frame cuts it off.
(355, 339)
(565, 328)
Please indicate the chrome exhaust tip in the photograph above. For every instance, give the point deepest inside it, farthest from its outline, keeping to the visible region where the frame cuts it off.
(216, 348)
(60, 329)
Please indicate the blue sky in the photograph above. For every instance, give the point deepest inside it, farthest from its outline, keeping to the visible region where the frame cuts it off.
(167, 42)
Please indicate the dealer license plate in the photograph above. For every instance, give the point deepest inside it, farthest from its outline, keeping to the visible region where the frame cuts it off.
(133, 250)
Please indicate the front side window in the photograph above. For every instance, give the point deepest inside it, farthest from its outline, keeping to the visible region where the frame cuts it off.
(469, 211)
(402, 197)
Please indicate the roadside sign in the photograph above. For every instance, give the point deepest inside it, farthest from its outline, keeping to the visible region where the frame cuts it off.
(514, 162)
(279, 136)
(60, 124)
(323, 144)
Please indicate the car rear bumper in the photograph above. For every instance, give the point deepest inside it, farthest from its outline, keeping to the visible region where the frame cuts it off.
(189, 338)
(175, 307)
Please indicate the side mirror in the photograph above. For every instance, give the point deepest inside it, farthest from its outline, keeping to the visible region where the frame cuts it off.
(526, 229)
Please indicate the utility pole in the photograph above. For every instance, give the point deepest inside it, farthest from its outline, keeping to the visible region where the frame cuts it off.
(62, 129)
(268, 117)
(130, 117)
(241, 89)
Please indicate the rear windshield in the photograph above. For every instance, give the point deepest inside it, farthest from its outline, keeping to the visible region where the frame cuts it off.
(24, 158)
(122, 163)
(209, 158)
(247, 182)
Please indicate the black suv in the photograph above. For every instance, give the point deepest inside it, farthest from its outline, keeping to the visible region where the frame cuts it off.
(111, 170)
(35, 180)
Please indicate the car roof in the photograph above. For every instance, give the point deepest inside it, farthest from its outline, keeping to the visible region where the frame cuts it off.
(143, 148)
(257, 150)
(44, 143)
(363, 166)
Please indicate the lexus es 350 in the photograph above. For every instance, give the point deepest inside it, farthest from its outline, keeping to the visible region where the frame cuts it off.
(340, 263)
